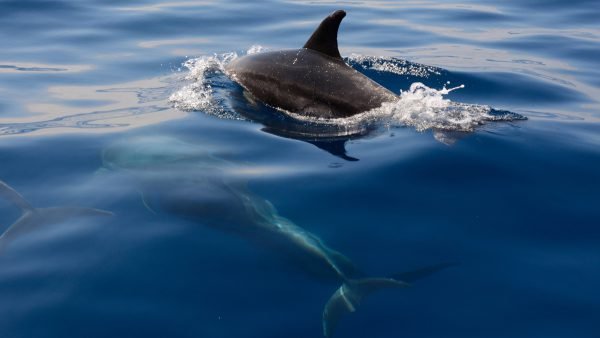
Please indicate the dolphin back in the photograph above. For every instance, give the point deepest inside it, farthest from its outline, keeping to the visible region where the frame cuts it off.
(307, 82)
(312, 81)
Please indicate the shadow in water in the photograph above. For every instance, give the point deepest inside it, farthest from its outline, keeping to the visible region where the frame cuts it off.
(331, 138)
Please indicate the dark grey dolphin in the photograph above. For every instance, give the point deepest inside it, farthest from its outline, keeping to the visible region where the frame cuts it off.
(32, 218)
(312, 80)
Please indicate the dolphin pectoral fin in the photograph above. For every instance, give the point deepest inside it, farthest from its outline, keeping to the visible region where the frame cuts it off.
(324, 38)
(411, 276)
(13, 196)
(348, 296)
(67, 212)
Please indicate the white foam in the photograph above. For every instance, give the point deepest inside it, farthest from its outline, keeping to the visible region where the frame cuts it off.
(426, 108)
(254, 49)
(198, 93)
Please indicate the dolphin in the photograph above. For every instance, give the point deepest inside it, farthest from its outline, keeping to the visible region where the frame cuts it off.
(190, 182)
(311, 81)
(32, 218)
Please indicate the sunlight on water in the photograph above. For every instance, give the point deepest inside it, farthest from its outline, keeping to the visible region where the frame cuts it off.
(113, 108)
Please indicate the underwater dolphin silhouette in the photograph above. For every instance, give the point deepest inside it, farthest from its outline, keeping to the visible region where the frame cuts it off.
(32, 218)
(189, 181)
(313, 80)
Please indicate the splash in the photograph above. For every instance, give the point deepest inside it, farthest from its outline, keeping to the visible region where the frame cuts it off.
(426, 108)
(198, 94)
(256, 49)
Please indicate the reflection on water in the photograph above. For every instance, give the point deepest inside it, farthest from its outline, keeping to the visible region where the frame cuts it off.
(162, 6)
(16, 67)
(117, 107)
(391, 4)
(172, 42)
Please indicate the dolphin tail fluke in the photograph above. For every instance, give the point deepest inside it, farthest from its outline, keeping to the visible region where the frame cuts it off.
(348, 296)
(14, 197)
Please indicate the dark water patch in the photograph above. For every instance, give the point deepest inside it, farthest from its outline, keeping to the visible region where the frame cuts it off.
(33, 69)
(10, 8)
(499, 86)
(474, 16)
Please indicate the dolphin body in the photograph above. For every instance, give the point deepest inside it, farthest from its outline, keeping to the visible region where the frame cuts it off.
(192, 183)
(32, 218)
(313, 80)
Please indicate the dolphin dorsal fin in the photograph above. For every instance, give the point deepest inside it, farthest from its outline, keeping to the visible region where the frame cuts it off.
(324, 38)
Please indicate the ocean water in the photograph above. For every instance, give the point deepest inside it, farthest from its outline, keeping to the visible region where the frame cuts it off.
(489, 164)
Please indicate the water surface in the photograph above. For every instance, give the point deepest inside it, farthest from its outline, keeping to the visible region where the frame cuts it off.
(123, 107)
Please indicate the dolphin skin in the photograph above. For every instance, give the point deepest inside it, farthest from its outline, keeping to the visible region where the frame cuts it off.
(313, 80)
(32, 218)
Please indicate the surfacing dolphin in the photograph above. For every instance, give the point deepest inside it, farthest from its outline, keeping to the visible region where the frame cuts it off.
(32, 218)
(313, 80)
(188, 181)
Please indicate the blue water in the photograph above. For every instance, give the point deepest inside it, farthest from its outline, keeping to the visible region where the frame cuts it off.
(98, 109)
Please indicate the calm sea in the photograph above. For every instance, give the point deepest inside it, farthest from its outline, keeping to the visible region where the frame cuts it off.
(123, 106)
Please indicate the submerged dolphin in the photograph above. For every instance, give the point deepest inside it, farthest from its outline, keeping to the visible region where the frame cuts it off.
(32, 218)
(190, 182)
(313, 80)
